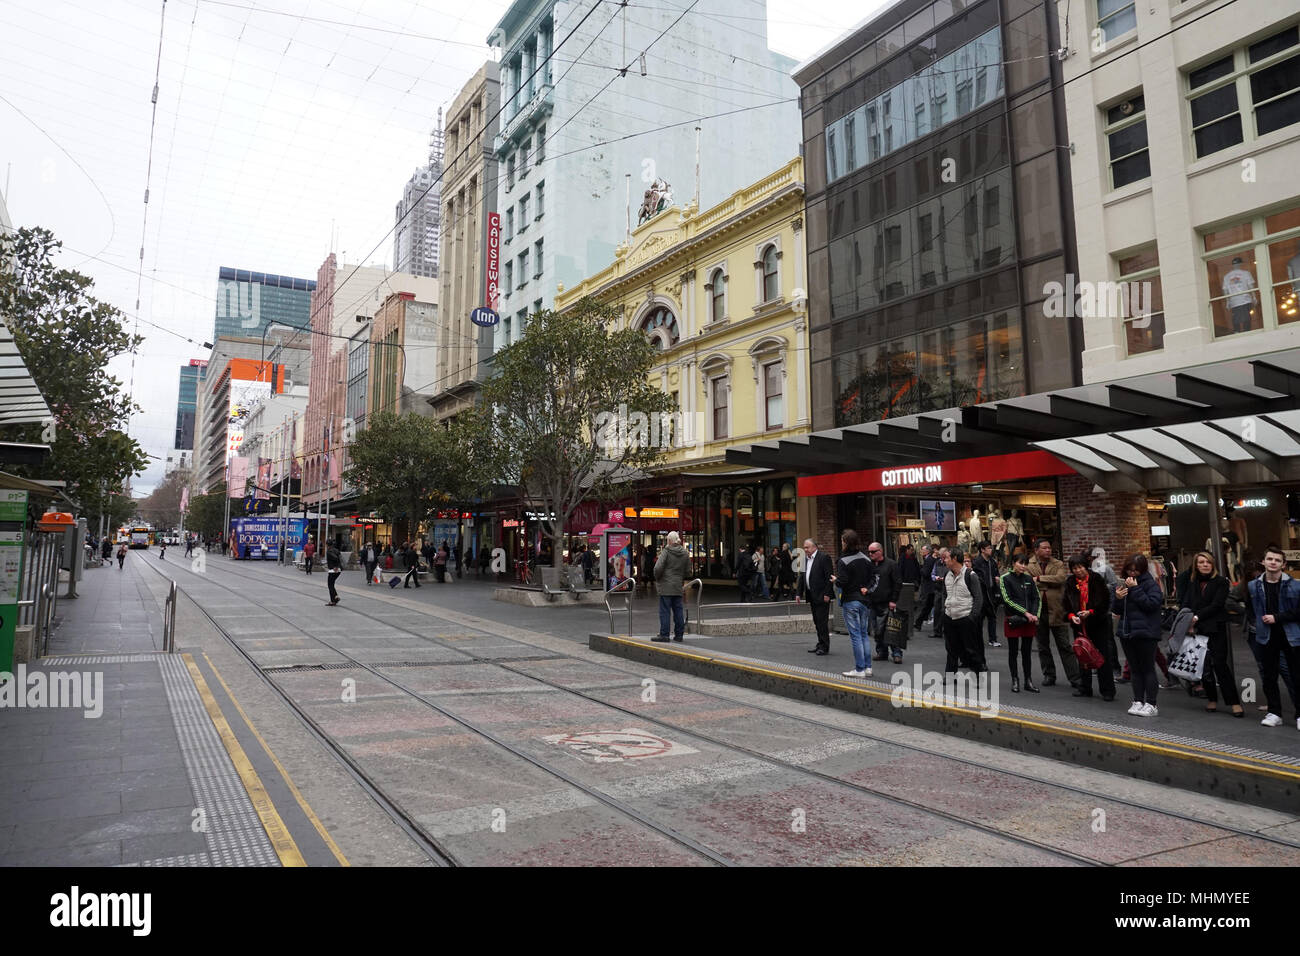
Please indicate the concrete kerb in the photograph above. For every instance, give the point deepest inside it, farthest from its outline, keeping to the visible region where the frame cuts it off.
(1188, 765)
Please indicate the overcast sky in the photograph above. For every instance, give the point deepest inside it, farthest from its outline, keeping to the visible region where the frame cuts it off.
(280, 124)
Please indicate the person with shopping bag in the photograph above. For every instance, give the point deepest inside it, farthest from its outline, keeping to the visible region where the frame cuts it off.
(1206, 596)
(1087, 608)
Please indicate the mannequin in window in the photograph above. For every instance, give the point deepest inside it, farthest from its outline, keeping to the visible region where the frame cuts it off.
(1293, 271)
(997, 535)
(1239, 287)
(963, 536)
(1015, 531)
(976, 533)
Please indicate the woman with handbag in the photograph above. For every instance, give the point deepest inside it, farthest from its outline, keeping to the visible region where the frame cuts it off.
(1206, 596)
(1087, 608)
(1138, 600)
(1023, 602)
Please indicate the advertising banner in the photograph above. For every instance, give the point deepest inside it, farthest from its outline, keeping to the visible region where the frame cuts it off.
(259, 538)
(238, 469)
(263, 478)
(245, 396)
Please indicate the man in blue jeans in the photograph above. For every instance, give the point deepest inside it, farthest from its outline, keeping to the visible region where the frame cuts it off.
(854, 575)
(670, 576)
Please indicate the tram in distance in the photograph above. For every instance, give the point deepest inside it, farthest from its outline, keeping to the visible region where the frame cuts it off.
(140, 535)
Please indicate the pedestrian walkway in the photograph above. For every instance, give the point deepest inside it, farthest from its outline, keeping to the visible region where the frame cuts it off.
(132, 761)
(1184, 745)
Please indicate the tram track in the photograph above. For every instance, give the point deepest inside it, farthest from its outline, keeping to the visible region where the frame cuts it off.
(1228, 829)
(689, 734)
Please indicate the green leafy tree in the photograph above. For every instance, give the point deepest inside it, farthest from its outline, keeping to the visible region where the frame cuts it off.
(572, 412)
(67, 337)
(405, 465)
(208, 512)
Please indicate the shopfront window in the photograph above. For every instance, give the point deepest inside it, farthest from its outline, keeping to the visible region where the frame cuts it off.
(1253, 271)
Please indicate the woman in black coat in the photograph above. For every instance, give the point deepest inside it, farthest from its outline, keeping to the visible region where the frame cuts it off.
(1087, 608)
(1206, 594)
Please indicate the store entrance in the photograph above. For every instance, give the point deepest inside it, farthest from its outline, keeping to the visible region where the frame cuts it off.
(1011, 515)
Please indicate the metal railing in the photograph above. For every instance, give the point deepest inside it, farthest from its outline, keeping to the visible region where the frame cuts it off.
(698, 585)
(750, 606)
(38, 590)
(628, 590)
(169, 620)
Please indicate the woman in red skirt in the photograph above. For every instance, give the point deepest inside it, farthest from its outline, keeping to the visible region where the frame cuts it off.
(1022, 600)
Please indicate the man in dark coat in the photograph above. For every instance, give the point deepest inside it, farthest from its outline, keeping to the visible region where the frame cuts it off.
(986, 568)
(816, 588)
(883, 599)
(745, 572)
(411, 561)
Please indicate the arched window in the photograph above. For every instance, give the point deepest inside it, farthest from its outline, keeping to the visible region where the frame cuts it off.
(770, 283)
(661, 326)
(718, 307)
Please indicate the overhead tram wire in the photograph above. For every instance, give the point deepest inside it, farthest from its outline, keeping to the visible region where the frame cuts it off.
(144, 224)
(437, 181)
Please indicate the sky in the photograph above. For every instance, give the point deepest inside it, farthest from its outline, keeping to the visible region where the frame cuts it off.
(283, 130)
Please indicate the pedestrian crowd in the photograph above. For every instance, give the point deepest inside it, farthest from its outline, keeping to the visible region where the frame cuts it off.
(1080, 608)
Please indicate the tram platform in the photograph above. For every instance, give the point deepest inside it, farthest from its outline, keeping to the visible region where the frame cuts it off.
(114, 753)
(1184, 746)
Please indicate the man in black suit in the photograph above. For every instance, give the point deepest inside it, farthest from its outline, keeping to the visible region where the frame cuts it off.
(815, 587)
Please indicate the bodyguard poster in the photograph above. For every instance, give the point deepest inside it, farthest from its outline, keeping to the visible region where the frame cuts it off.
(251, 535)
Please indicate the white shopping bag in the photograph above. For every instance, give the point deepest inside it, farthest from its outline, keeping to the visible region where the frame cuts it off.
(1189, 664)
(377, 577)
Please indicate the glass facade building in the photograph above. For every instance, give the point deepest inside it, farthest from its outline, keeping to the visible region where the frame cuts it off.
(247, 302)
(939, 211)
(186, 398)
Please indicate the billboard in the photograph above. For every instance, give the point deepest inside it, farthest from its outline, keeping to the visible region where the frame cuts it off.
(245, 396)
(494, 261)
(259, 533)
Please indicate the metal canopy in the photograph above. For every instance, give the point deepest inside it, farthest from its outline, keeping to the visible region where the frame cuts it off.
(1231, 422)
(21, 402)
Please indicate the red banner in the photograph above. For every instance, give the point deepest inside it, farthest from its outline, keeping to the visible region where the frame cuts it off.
(961, 471)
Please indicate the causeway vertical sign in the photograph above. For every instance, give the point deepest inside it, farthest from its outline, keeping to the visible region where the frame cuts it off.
(494, 261)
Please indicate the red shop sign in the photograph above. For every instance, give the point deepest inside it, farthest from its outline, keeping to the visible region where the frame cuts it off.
(961, 471)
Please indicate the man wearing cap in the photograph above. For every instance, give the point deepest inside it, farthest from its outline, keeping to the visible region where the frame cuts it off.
(1239, 287)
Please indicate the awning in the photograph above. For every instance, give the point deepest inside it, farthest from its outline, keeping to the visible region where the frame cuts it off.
(21, 402)
(1231, 422)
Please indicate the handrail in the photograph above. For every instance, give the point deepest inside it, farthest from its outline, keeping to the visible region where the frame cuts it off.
(698, 584)
(169, 620)
(42, 615)
(627, 588)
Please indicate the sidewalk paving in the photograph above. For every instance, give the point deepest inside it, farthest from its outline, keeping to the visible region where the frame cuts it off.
(121, 787)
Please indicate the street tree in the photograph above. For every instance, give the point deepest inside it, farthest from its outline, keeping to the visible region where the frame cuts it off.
(573, 413)
(163, 507)
(405, 466)
(67, 337)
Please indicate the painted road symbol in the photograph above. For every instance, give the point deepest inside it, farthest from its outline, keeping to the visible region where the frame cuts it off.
(606, 746)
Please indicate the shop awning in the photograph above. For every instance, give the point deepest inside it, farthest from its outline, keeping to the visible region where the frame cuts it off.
(1232, 422)
(21, 402)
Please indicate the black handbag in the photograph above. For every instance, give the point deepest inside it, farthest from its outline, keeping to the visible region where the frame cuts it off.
(1017, 620)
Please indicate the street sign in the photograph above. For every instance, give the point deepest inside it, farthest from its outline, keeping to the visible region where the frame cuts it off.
(484, 317)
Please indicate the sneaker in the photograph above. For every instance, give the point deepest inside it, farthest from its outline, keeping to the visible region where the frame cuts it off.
(995, 643)
(1149, 710)
(1273, 720)
(1136, 707)
(660, 640)
(855, 673)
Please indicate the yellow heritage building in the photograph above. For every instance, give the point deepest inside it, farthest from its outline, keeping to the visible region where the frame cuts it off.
(723, 295)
